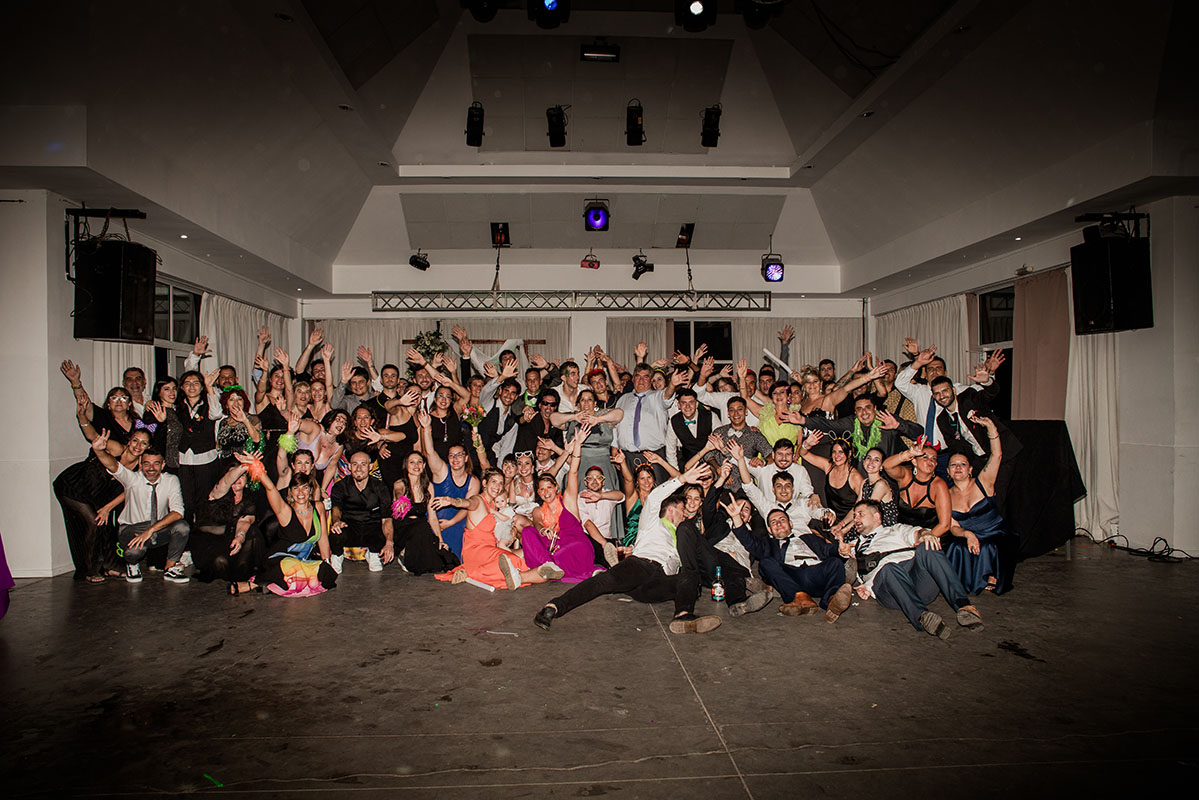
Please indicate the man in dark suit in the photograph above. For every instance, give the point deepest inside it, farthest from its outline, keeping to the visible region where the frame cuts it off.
(689, 429)
(964, 435)
(503, 415)
(868, 427)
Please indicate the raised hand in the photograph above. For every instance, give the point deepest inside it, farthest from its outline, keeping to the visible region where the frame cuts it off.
(924, 356)
(980, 374)
(736, 450)
(679, 358)
(260, 363)
(83, 405)
(489, 371)
(734, 509)
(786, 334)
(886, 419)
(347, 371)
(538, 361)
(696, 473)
(995, 360)
(371, 435)
(618, 457)
(715, 442)
(910, 346)
(282, 357)
(726, 469)
(365, 355)
(210, 379)
(877, 371)
(548, 444)
(410, 398)
(414, 356)
(726, 371)
(326, 353)
(423, 419)
(158, 410)
(509, 370)
(458, 332)
(862, 361)
(71, 371)
(641, 351)
(813, 439)
(742, 368)
(678, 378)
(101, 441)
(316, 337)
(293, 421)
(264, 336)
(200, 348)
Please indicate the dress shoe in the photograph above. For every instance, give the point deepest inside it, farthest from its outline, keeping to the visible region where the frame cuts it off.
(803, 604)
(689, 623)
(755, 602)
(933, 625)
(545, 617)
(838, 603)
(968, 617)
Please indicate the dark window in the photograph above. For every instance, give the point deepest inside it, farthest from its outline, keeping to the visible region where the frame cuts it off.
(995, 316)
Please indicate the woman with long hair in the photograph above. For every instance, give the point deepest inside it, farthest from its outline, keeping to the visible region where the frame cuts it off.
(225, 542)
(982, 545)
(418, 544)
(637, 486)
(198, 454)
(843, 482)
(922, 497)
(162, 420)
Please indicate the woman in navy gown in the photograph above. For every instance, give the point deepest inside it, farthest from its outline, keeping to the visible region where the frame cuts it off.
(982, 547)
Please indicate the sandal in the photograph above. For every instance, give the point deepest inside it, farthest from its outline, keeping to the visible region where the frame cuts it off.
(95, 579)
(992, 583)
(235, 588)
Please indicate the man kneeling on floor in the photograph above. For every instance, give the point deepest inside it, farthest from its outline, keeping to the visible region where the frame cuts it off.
(651, 574)
(800, 565)
(361, 516)
(902, 567)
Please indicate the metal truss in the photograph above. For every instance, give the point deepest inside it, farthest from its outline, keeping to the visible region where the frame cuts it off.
(570, 301)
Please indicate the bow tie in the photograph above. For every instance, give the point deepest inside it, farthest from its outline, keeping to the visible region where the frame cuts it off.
(138, 425)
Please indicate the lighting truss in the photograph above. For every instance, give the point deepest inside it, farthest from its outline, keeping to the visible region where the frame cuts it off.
(570, 301)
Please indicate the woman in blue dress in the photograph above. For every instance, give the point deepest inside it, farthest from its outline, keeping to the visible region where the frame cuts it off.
(453, 485)
(981, 548)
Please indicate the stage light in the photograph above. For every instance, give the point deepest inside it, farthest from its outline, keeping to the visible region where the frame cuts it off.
(686, 231)
(549, 14)
(641, 265)
(419, 260)
(500, 237)
(694, 15)
(634, 127)
(482, 10)
(710, 131)
(474, 125)
(772, 268)
(596, 215)
(590, 261)
(555, 118)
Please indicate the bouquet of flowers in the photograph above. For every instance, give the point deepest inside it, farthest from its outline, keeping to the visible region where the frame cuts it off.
(473, 415)
(401, 507)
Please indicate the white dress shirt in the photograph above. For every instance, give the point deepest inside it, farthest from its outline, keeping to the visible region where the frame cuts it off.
(137, 495)
(654, 541)
(655, 410)
(921, 396)
(883, 539)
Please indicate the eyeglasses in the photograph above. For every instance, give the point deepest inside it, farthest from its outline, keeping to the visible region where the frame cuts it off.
(524, 454)
(550, 403)
(120, 397)
(457, 455)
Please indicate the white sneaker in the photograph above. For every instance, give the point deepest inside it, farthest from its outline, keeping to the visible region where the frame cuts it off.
(185, 560)
(511, 573)
(336, 562)
(374, 562)
(175, 574)
(133, 573)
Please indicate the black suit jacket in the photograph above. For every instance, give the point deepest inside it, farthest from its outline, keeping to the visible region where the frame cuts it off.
(976, 401)
(492, 428)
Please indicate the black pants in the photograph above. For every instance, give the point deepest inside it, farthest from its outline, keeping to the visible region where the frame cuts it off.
(93, 547)
(641, 579)
(417, 547)
(197, 481)
(699, 556)
(368, 534)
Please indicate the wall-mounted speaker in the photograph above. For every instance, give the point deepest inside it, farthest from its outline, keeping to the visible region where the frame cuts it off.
(114, 291)
(1113, 288)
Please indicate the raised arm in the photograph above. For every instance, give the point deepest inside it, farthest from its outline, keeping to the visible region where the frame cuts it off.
(437, 467)
(570, 498)
(273, 498)
(314, 341)
(626, 478)
(991, 470)
(835, 397)
(805, 452)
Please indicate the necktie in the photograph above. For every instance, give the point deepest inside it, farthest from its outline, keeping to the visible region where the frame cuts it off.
(637, 423)
(955, 425)
(153, 503)
(785, 506)
(930, 423)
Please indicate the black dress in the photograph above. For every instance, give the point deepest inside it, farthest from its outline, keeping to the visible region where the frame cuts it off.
(272, 424)
(924, 513)
(416, 545)
(81, 490)
(447, 432)
(841, 500)
(392, 467)
(212, 537)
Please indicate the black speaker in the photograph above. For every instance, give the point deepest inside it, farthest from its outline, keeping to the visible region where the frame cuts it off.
(114, 291)
(1113, 289)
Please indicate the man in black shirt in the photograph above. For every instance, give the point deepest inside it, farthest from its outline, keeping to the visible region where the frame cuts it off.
(361, 516)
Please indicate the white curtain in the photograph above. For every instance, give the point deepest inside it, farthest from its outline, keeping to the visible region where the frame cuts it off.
(940, 322)
(836, 338)
(625, 332)
(232, 330)
(389, 339)
(109, 362)
(1091, 416)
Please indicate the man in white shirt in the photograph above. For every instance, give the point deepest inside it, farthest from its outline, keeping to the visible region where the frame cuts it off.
(910, 571)
(596, 508)
(645, 418)
(784, 461)
(651, 574)
(921, 394)
(153, 513)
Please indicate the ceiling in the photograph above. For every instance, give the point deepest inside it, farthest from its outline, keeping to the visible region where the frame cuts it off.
(301, 139)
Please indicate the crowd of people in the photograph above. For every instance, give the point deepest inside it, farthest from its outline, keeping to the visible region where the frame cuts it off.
(658, 481)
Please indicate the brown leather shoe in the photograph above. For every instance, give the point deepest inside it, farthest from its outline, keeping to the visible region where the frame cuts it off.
(838, 603)
(802, 605)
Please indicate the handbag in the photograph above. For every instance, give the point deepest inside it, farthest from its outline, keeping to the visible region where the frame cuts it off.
(868, 562)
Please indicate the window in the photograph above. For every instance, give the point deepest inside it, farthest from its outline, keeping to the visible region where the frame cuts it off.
(176, 325)
(716, 334)
(995, 332)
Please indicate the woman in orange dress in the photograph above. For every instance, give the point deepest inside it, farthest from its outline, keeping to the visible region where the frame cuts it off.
(482, 558)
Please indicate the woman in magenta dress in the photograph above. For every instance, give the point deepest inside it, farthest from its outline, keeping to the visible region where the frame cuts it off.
(556, 535)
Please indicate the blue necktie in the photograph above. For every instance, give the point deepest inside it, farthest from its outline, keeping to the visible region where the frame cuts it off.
(930, 421)
(637, 423)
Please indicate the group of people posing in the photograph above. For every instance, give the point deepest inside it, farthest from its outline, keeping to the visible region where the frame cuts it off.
(654, 482)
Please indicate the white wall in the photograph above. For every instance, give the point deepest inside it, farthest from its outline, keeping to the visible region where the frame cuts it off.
(35, 327)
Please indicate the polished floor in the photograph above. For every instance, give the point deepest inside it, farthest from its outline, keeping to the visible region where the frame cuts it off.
(1082, 681)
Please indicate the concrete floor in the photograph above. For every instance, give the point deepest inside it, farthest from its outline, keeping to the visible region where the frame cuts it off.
(393, 685)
